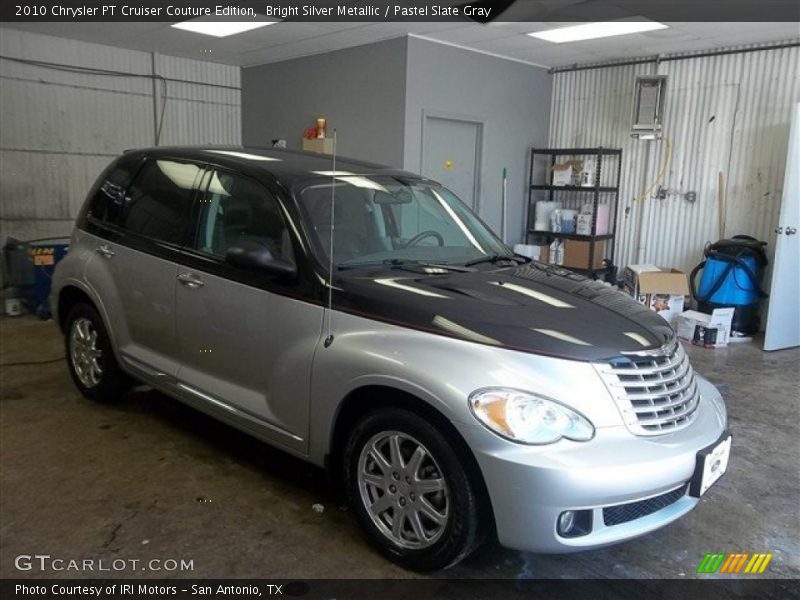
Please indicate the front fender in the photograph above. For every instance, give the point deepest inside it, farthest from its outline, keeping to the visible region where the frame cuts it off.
(441, 371)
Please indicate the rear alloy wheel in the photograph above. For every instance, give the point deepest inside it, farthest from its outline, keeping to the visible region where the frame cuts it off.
(410, 491)
(91, 360)
(85, 352)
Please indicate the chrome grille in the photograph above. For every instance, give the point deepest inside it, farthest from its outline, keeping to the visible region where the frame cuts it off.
(655, 390)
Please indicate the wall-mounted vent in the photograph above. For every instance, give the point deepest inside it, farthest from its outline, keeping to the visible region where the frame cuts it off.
(648, 106)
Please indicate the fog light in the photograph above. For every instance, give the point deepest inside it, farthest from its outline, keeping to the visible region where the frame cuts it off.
(574, 523)
(566, 522)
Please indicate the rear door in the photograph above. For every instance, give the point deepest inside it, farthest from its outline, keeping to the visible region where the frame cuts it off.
(246, 339)
(134, 268)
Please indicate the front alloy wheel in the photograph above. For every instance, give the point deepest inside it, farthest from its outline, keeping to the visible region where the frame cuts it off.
(403, 489)
(412, 489)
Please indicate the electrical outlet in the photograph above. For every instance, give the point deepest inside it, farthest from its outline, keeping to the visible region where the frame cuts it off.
(690, 196)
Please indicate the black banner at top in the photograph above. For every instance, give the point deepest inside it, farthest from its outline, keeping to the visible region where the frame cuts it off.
(480, 11)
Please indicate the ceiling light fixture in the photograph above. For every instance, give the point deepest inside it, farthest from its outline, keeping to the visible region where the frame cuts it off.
(593, 31)
(246, 155)
(221, 28)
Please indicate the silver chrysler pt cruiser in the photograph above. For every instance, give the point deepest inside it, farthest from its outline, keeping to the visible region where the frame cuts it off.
(365, 320)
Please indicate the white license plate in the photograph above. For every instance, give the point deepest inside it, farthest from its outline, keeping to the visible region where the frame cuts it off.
(712, 463)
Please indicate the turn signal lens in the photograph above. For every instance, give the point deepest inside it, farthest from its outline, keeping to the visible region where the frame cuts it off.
(528, 418)
(719, 405)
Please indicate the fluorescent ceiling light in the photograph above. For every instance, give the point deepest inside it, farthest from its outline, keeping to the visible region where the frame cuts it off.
(245, 155)
(559, 335)
(221, 28)
(334, 173)
(637, 338)
(181, 174)
(593, 31)
(462, 331)
(547, 299)
(364, 183)
(394, 283)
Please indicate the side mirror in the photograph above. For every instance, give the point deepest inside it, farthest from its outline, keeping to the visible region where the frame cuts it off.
(258, 258)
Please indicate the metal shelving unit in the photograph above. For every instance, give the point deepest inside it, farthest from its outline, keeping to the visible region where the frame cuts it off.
(575, 196)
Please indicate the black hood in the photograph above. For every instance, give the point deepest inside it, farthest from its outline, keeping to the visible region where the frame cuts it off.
(532, 308)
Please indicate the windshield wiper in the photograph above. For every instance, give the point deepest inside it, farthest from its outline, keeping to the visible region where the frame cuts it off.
(392, 262)
(399, 263)
(496, 258)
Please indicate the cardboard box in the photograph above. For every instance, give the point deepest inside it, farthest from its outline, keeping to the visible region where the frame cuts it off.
(709, 331)
(661, 289)
(574, 172)
(319, 145)
(576, 254)
(563, 174)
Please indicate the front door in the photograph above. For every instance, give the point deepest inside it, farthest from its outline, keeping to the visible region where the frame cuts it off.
(246, 341)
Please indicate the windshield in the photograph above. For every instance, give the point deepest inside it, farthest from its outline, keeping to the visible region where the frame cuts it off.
(392, 220)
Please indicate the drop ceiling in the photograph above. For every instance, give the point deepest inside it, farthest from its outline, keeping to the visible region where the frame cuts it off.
(288, 40)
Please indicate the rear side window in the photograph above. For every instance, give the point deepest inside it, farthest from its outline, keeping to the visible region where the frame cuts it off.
(237, 211)
(108, 197)
(159, 200)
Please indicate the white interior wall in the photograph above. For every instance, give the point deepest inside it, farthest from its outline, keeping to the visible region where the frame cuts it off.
(59, 129)
(727, 113)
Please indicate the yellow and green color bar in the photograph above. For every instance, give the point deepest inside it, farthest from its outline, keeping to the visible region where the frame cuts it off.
(735, 562)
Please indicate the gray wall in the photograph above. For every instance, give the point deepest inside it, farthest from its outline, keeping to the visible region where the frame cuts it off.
(59, 129)
(361, 91)
(511, 98)
(375, 96)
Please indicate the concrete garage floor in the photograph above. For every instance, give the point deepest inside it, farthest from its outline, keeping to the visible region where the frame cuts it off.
(150, 478)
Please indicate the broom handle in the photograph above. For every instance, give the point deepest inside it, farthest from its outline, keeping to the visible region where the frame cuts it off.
(721, 203)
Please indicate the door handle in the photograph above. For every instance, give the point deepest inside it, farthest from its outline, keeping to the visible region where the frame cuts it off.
(105, 251)
(190, 280)
(791, 230)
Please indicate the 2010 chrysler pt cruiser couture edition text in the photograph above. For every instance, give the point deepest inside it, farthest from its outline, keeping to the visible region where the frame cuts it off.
(456, 389)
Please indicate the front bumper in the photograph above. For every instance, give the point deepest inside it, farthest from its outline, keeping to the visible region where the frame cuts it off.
(530, 486)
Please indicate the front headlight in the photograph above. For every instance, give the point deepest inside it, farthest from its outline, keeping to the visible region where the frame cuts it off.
(719, 405)
(528, 418)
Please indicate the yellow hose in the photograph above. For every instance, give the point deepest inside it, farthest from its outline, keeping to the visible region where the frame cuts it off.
(661, 173)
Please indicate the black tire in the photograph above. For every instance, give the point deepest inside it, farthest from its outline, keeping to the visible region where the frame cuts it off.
(112, 383)
(462, 532)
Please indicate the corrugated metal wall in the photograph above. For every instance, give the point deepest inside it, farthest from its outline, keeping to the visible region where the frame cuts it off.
(727, 114)
(59, 129)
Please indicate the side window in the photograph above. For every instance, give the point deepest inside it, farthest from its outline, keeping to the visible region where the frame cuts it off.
(108, 196)
(159, 200)
(238, 211)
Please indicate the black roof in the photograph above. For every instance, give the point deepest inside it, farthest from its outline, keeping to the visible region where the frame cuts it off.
(288, 166)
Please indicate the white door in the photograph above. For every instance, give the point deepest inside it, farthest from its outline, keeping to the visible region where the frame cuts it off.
(452, 156)
(783, 316)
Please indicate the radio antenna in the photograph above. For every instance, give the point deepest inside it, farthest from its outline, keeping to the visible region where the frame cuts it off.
(329, 338)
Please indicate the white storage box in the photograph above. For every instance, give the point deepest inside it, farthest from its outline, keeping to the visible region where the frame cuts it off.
(710, 331)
